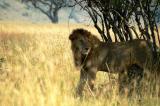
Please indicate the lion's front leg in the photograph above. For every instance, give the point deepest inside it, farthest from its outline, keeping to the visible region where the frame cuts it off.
(87, 75)
(91, 79)
(81, 83)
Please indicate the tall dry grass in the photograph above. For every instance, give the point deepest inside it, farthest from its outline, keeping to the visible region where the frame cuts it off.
(38, 70)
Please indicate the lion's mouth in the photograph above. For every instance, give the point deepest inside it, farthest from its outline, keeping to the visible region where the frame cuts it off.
(78, 63)
(83, 58)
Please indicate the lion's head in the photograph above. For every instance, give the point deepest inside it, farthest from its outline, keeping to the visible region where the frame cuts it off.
(81, 42)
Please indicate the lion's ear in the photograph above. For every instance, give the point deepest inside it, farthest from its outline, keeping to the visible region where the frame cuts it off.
(71, 37)
(87, 34)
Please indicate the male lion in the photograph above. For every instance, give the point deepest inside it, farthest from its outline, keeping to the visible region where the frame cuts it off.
(93, 55)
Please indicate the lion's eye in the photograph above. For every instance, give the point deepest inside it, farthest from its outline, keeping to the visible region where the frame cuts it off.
(81, 40)
(76, 48)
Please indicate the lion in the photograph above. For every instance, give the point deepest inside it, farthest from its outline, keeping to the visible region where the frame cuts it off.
(92, 55)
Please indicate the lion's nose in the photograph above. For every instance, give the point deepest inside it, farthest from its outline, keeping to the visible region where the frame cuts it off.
(85, 50)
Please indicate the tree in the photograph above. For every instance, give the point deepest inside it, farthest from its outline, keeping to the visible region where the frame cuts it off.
(122, 17)
(49, 7)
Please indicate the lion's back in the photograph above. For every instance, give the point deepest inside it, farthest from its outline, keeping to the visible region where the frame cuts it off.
(122, 54)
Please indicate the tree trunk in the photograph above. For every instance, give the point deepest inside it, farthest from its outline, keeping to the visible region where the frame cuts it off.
(54, 17)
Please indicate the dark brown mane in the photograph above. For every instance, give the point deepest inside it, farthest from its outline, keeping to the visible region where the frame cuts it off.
(82, 32)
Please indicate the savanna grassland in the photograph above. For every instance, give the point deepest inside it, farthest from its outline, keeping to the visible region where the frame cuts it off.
(36, 69)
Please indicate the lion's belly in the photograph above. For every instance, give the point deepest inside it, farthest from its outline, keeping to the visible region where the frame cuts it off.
(106, 68)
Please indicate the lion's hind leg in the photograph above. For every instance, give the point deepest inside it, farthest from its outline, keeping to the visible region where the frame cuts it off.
(130, 81)
(122, 81)
(135, 75)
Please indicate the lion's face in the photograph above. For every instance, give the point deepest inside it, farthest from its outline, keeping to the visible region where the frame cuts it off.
(80, 46)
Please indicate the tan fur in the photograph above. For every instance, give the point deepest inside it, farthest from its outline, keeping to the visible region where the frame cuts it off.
(109, 57)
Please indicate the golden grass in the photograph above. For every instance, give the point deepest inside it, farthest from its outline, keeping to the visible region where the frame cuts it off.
(38, 69)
